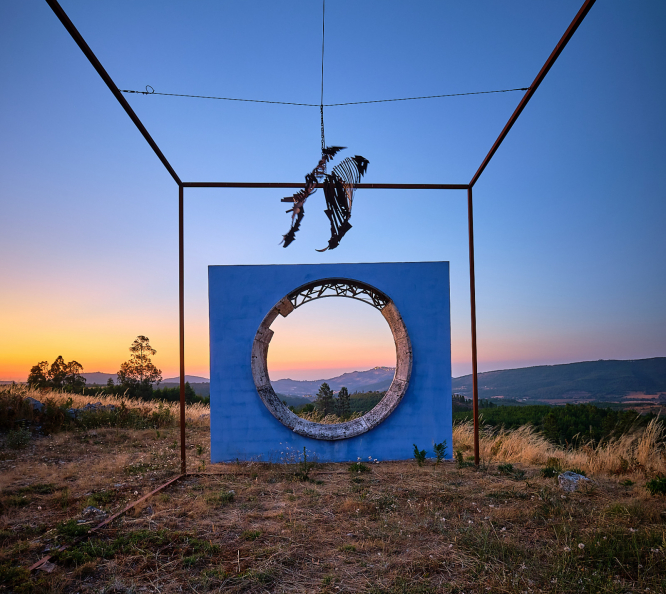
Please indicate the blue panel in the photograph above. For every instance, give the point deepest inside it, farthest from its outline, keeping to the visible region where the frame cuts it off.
(243, 428)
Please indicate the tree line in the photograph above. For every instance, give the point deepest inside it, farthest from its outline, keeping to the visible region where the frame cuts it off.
(136, 377)
(564, 425)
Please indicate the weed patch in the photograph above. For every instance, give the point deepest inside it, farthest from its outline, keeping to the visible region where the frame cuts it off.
(657, 486)
(358, 467)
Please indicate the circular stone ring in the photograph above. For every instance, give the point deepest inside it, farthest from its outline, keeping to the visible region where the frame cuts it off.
(333, 287)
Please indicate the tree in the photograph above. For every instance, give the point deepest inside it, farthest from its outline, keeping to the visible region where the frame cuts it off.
(58, 375)
(138, 374)
(325, 399)
(344, 402)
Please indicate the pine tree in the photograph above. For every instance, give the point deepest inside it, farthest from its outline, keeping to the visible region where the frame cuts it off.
(344, 402)
(325, 399)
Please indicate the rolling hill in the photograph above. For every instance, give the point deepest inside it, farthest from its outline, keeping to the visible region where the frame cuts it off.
(588, 380)
(377, 378)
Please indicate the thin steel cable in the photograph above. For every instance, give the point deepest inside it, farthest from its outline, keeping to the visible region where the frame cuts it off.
(321, 100)
(153, 92)
(425, 97)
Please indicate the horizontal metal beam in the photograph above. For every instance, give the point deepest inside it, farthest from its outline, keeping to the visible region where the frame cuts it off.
(302, 185)
(568, 34)
(97, 65)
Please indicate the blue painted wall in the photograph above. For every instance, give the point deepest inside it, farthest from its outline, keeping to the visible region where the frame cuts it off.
(243, 428)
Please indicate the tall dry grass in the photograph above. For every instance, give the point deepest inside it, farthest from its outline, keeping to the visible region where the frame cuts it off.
(195, 414)
(331, 419)
(641, 452)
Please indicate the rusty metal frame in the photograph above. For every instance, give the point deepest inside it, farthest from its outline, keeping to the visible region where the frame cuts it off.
(71, 29)
(110, 519)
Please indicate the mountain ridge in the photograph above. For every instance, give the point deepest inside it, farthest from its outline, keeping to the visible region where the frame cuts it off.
(585, 380)
(375, 379)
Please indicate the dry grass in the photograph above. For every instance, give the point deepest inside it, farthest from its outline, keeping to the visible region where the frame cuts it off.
(398, 529)
(195, 414)
(331, 419)
(642, 453)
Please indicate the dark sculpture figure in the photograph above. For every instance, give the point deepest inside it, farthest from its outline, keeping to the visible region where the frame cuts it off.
(339, 186)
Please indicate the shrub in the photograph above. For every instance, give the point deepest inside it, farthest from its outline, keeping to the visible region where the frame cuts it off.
(14, 408)
(657, 486)
(419, 455)
(505, 468)
(578, 471)
(460, 462)
(440, 451)
(222, 498)
(18, 438)
(358, 467)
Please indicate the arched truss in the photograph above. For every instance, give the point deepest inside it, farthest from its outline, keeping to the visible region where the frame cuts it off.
(338, 287)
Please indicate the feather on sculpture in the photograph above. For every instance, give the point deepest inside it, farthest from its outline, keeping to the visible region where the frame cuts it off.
(339, 186)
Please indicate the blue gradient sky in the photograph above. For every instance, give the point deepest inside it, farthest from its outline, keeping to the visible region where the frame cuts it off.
(570, 215)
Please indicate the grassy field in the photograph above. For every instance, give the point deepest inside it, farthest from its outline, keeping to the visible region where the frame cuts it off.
(385, 528)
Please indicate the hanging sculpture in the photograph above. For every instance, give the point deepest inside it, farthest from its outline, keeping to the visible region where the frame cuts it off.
(339, 186)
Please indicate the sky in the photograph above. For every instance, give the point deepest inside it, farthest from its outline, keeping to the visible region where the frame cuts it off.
(569, 216)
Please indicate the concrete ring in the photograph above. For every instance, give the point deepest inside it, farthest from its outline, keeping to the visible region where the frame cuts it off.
(370, 420)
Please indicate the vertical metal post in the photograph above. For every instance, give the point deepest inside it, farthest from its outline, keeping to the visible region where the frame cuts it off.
(181, 307)
(472, 297)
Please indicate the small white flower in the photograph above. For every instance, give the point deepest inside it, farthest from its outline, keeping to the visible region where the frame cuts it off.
(581, 545)
(369, 457)
(503, 529)
(39, 507)
(632, 530)
(567, 549)
(136, 492)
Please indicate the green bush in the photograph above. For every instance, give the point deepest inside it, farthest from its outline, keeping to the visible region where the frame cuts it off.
(440, 451)
(14, 408)
(550, 472)
(657, 486)
(419, 455)
(358, 467)
(18, 438)
(578, 471)
(460, 462)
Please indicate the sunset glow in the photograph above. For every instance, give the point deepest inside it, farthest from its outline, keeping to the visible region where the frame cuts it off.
(570, 247)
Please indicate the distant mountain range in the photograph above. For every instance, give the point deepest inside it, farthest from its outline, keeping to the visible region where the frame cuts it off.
(556, 384)
(193, 379)
(375, 379)
(100, 379)
(588, 380)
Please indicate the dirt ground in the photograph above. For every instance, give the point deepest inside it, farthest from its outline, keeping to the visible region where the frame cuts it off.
(391, 527)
